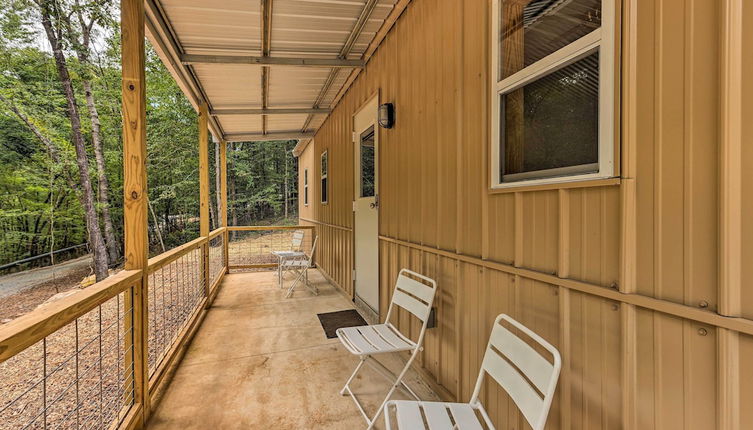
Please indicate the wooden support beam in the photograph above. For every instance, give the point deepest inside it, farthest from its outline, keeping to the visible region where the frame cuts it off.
(135, 198)
(204, 192)
(269, 136)
(269, 111)
(223, 199)
(223, 183)
(203, 171)
(187, 59)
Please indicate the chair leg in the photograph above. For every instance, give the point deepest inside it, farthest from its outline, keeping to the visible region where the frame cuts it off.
(292, 286)
(363, 360)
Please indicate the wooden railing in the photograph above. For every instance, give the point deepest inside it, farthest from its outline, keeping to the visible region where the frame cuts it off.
(76, 362)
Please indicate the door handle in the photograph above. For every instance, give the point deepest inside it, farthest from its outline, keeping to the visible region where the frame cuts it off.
(373, 205)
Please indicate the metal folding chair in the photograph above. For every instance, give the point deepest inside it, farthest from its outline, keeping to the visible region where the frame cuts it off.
(295, 252)
(300, 266)
(528, 378)
(414, 293)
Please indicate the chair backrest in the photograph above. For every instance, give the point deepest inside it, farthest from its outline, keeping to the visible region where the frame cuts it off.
(527, 377)
(313, 250)
(297, 240)
(414, 296)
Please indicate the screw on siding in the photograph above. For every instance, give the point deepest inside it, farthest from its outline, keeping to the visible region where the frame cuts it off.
(703, 304)
(614, 286)
(702, 331)
(615, 306)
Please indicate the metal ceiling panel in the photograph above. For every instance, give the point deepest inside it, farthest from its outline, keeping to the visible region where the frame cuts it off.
(299, 29)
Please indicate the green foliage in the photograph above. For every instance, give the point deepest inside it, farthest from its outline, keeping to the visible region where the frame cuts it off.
(38, 209)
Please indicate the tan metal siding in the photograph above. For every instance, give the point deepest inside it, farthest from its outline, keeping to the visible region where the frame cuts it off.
(624, 280)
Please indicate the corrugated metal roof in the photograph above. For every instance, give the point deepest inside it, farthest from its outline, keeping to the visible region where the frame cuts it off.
(299, 29)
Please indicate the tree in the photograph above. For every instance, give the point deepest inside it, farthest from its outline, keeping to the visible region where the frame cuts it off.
(54, 26)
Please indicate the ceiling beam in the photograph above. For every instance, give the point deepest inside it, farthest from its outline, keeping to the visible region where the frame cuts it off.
(355, 32)
(270, 61)
(270, 111)
(160, 33)
(255, 137)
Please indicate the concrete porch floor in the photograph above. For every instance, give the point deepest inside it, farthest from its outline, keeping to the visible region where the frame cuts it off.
(260, 361)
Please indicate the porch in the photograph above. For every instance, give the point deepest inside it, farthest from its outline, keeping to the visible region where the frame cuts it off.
(262, 361)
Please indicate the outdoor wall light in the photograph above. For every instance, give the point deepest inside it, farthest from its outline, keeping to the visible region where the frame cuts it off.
(387, 115)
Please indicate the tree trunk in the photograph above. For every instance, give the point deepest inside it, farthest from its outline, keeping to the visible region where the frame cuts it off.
(156, 226)
(82, 49)
(113, 247)
(96, 241)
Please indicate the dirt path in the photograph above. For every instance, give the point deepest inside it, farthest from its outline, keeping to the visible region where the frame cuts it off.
(21, 281)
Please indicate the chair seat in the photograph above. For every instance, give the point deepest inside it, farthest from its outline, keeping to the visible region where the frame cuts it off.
(285, 254)
(439, 415)
(294, 263)
(373, 339)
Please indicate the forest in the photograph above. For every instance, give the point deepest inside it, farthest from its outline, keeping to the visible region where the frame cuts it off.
(61, 148)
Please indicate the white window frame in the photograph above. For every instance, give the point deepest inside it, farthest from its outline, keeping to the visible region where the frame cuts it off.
(306, 186)
(324, 197)
(602, 40)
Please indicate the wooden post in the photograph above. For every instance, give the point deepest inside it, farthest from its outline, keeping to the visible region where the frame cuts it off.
(134, 195)
(223, 197)
(204, 192)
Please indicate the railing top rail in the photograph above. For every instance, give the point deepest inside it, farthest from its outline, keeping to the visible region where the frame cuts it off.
(270, 227)
(35, 326)
(159, 261)
(216, 232)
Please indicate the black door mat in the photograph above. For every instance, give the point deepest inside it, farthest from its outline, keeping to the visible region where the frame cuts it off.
(331, 321)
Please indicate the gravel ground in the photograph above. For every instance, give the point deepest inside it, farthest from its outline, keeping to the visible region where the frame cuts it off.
(83, 382)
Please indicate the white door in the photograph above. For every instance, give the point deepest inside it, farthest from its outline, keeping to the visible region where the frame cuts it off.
(366, 205)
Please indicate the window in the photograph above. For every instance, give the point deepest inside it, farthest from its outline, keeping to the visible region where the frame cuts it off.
(324, 177)
(553, 91)
(306, 187)
(367, 163)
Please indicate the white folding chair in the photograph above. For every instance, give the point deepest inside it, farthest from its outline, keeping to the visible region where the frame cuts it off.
(528, 378)
(295, 252)
(366, 341)
(300, 266)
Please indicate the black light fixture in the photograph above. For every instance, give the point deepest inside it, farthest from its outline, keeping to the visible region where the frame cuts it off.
(387, 115)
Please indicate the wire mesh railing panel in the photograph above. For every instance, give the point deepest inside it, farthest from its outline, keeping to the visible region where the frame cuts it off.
(256, 247)
(175, 293)
(79, 377)
(216, 257)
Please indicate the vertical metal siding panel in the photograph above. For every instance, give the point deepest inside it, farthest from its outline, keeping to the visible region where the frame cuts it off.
(701, 162)
(447, 148)
(448, 278)
(669, 150)
(431, 92)
(644, 139)
(646, 372)
(747, 174)
(746, 375)
(501, 228)
(472, 119)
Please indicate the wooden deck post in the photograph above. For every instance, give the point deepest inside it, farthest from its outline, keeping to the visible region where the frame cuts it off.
(223, 197)
(204, 192)
(134, 196)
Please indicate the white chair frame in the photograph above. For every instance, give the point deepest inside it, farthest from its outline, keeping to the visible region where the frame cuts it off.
(296, 252)
(528, 375)
(415, 297)
(300, 266)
